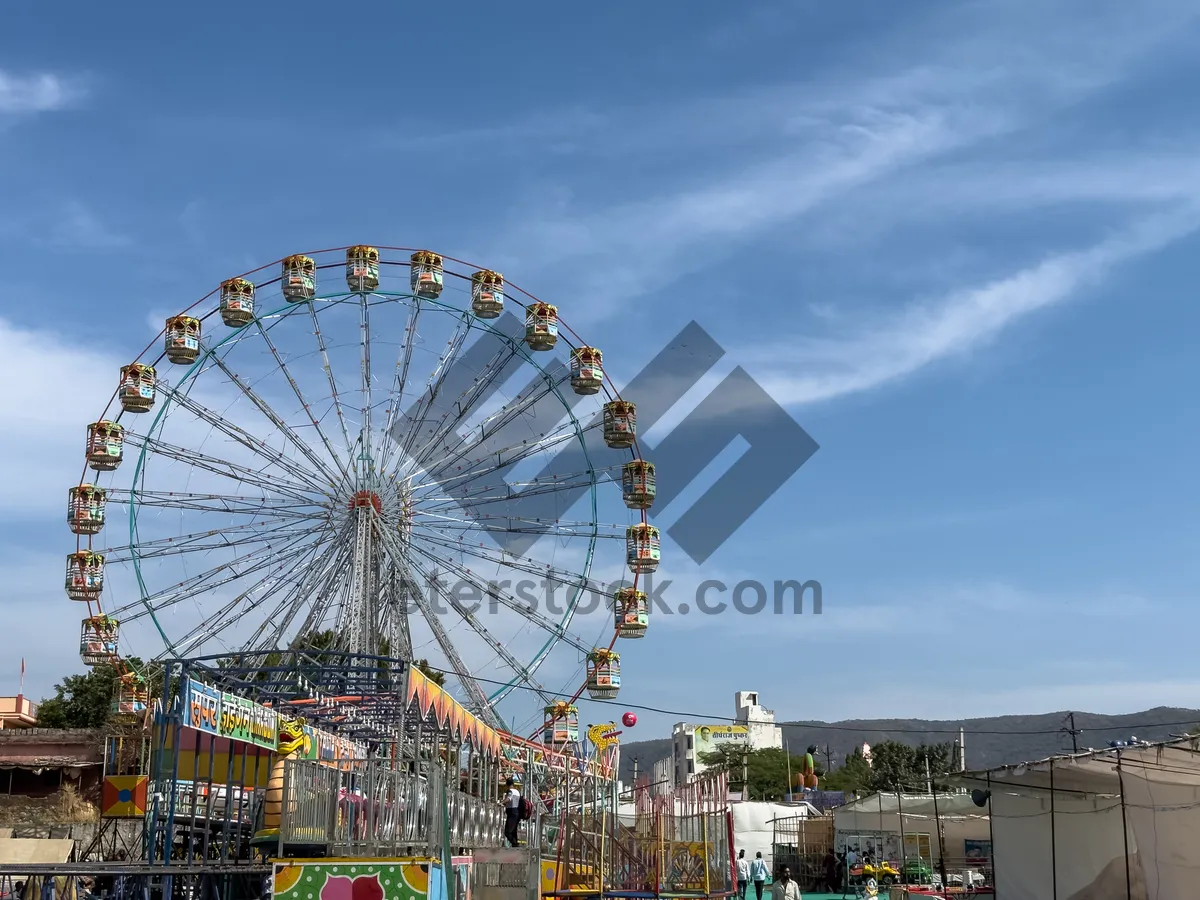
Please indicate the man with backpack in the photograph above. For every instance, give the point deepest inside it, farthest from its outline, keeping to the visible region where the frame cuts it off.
(515, 809)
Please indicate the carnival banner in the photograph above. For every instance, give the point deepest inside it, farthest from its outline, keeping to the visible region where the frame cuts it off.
(203, 707)
(239, 719)
(235, 718)
(245, 720)
(431, 700)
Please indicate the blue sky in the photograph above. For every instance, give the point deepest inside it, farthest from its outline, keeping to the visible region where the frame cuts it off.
(956, 239)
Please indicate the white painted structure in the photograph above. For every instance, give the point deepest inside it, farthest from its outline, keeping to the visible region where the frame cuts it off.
(753, 726)
(760, 721)
(662, 776)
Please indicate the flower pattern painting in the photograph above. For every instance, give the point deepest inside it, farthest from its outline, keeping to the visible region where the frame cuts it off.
(364, 887)
(376, 879)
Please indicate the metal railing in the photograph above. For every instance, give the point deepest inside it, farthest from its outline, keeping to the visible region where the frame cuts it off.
(368, 809)
(215, 802)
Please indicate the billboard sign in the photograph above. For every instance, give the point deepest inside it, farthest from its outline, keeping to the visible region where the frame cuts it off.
(710, 738)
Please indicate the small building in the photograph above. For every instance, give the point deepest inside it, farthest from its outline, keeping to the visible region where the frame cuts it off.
(37, 762)
(762, 732)
(17, 712)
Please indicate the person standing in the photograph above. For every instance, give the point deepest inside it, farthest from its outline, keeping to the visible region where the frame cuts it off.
(829, 866)
(758, 874)
(512, 812)
(743, 874)
(851, 862)
(784, 888)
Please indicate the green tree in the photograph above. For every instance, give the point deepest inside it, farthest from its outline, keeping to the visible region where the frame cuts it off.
(900, 767)
(854, 775)
(438, 678)
(766, 769)
(85, 701)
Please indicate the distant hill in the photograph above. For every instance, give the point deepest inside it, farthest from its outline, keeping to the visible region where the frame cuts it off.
(994, 741)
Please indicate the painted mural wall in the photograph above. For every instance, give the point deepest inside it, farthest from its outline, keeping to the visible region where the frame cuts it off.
(358, 879)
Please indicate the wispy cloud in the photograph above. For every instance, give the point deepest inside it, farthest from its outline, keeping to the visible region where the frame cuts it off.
(900, 344)
(804, 143)
(877, 150)
(43, 92)
(53, 419)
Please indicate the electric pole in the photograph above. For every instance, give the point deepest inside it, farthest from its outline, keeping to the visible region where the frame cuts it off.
(828, 753)
(1073, 732)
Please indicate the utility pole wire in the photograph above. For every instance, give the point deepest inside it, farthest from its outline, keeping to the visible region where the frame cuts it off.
(1073, 732)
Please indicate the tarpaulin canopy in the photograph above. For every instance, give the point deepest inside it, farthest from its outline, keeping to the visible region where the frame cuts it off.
(1113, 823)
(36, 851)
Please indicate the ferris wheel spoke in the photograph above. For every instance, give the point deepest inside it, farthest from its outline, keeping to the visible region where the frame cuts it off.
(465, 678)
(510, 524)
(333, 455)
(460, 497)
(279, 619)
(476, 381)
(504, 435)
(207, 580)
(486, 636)
(337, 401)
(241, 436)
(485, 509)
(460, 409)
(494, 593)
(319, 576)
(483, 458)
(399, 380)
(223, 467)
(457, 495)
(244, 603)
(551, 577)
(202, 541)
(218, 503)
(445, 368)
(364, 318)
(284, 429)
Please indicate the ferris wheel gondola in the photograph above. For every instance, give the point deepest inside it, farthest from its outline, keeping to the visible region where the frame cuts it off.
(324, 462)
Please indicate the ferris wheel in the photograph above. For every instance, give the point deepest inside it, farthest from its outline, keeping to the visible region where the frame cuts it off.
(415, 459)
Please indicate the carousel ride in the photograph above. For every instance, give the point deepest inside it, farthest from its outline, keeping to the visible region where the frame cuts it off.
(292, 499)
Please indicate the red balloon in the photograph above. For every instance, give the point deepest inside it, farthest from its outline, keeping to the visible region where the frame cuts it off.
(629, 720)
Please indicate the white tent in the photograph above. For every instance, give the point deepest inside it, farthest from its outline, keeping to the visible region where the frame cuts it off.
(754, 825)
(1101, 825)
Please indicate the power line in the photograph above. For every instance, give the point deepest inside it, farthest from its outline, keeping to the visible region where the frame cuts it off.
(685, 715)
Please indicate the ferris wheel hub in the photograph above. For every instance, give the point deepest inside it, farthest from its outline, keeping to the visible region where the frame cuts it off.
(362, 499)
